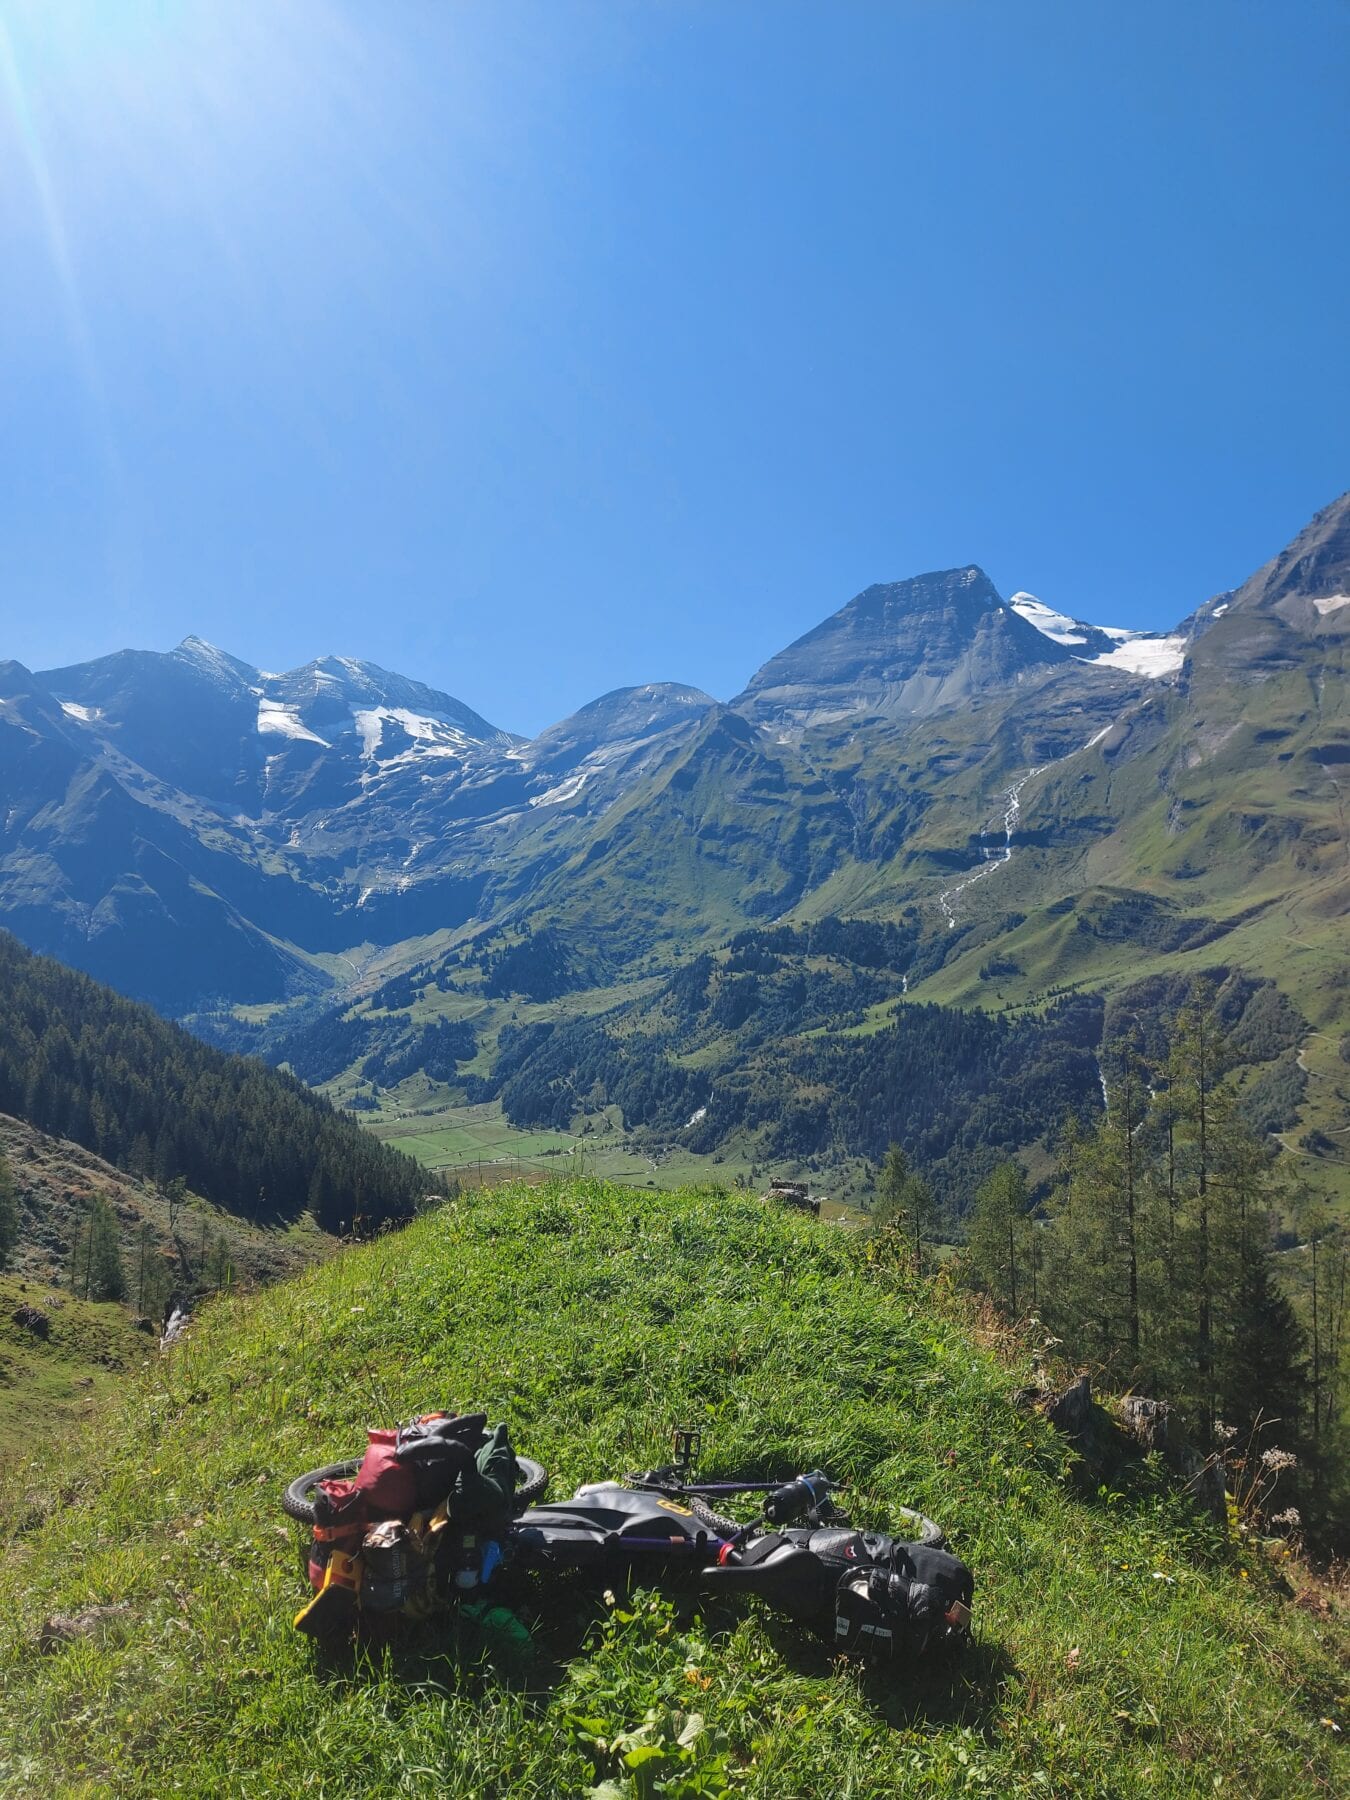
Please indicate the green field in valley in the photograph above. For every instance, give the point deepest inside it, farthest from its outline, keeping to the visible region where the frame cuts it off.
(477, 1145)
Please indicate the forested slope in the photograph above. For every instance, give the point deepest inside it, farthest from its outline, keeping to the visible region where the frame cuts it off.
(79, 1061)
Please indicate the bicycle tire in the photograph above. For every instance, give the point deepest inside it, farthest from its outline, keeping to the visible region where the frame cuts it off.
(296, 1501)
(715, 1521)
(928, 1532)
(298, 1505)
(533, 1486)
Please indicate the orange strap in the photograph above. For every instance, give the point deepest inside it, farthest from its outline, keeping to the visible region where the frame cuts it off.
(334, 1534)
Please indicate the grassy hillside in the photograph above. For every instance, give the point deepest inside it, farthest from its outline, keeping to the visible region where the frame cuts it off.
(56, 1382)
(1122, 1648)
(56, 1181)
(82, 1062)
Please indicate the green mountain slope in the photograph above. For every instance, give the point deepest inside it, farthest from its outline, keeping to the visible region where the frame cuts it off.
(200, 831)
(56, 1181)
(1122, 1649)
(79, 1061)
(1039, 815)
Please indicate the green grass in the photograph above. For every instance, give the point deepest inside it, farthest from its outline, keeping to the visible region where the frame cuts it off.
(1121, 1650)
(55, 1384)
(478, 1143)
(457, 1136)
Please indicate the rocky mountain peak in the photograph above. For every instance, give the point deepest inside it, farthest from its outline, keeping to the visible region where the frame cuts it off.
(901, 647)
(216, 664)
(620, 720)
(1308, 583)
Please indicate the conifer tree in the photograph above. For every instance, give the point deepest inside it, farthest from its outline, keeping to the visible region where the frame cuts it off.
(1261, 1374)
(904, 1202)
(1325, 1266)
(1325, 1270)
(104, 1279)
(219, 1271)
(9, 1213)
(1103, 1243)
(1162, 1245)
(997, 1250)
(1194, 1065)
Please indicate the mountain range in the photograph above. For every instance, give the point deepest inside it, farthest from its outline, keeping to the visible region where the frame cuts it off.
(195, 830)
(1046, 804)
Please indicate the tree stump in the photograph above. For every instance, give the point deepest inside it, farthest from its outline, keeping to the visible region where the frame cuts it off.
(1069, 1412)
(1146, 1421)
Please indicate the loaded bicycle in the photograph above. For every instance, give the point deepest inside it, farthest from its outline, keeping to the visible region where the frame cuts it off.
(436, 1510)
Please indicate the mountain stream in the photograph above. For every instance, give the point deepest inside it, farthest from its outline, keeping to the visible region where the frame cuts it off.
(1012, 810)
(991, 859)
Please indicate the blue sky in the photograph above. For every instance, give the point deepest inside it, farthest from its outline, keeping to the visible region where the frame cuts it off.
(538, 349)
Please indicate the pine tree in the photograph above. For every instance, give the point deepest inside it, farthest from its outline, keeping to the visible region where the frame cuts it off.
(105, 1279)
(904, 1202)
(219, 1270)
(9, 1213)
(921, 1214)
(997, 1250)
(1194, 1065)
(1163, 1247)
(1325, 1260)
(1103, 1242)
(1261, 1371)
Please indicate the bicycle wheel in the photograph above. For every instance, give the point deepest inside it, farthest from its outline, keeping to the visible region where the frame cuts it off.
(924, 1531)
(532, 1476)
(533, 1481)
(296, 1500)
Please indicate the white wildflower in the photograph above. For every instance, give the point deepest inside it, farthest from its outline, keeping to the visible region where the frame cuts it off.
(1278, 1459)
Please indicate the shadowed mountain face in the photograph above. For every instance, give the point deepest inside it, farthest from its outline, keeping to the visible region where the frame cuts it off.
(906, 648)
(198, 831)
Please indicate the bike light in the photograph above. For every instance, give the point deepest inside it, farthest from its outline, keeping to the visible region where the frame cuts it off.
(806, 1494)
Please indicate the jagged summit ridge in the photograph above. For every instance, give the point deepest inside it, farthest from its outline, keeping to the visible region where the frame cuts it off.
(1309, 581)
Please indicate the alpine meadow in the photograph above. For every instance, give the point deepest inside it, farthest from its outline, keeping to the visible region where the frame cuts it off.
(571, 1233)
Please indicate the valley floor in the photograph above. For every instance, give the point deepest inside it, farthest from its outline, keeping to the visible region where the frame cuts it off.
(477, 1146)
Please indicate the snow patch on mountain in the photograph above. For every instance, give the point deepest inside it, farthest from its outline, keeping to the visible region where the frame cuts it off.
(565, 790)
(282, 720)
(1135, 652)
(1055, 625)
(86, 714)
(1150, 656)
(433, 736)
(1331, 603)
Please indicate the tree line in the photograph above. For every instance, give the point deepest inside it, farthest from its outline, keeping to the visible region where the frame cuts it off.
(1157, 1258)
